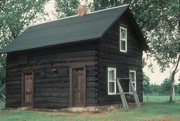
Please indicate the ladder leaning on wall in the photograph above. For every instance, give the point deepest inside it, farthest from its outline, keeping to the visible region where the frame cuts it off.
(122, 93)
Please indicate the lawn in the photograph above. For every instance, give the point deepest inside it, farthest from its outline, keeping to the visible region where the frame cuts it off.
(156, 109)
(159, 98)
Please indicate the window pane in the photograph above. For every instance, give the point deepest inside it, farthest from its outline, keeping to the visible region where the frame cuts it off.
(132, 76)
(111, 75)
(123, 34)
(123, 45)
(111, 87)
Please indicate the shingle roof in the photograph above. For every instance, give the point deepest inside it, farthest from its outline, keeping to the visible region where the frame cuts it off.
(76, 28)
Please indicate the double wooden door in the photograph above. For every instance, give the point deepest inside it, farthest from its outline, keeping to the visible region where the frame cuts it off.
(78, 87)
(28, 90)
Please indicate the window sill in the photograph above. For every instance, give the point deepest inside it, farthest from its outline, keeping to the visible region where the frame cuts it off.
(112, 94)
(122, 51)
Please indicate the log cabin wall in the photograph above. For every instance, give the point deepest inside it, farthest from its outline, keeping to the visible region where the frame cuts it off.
(110, 56)
(51, 89)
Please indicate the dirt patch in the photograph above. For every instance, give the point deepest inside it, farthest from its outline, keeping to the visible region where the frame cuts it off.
(89, 109)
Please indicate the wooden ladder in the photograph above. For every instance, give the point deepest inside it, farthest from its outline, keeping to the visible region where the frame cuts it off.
(122, 94)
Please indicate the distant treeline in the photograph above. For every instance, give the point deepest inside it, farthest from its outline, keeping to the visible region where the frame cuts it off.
(154, 89)
(162, 89)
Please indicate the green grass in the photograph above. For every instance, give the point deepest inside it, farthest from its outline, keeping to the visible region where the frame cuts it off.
(156, 109)
(157, 98)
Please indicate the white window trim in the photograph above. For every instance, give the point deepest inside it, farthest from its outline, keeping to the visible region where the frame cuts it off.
(135, 82)
(109, 69)
(121, 50)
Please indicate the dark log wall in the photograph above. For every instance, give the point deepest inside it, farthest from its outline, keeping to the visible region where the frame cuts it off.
(110, 56)
(51, 89)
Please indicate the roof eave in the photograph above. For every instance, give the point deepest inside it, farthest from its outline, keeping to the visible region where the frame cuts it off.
(87, 40)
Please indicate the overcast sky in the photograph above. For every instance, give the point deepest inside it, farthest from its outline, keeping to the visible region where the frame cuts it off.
(156, 78)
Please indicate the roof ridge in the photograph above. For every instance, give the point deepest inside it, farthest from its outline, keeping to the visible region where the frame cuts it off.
(101, 10)
(110, 8)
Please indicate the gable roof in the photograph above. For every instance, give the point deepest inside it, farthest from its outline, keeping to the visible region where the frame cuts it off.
(71, 29)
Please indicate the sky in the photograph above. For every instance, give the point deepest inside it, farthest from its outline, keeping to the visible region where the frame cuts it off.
(155, 78)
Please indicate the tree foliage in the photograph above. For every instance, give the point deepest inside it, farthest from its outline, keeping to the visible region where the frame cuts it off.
(15, 15)
(177, 88)
(154, 89)
(165, 86)
(163, 89)
(146, 84)
(66, 8)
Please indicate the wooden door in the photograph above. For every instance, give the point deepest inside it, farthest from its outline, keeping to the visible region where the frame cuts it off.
(28, 90)
(78, 87)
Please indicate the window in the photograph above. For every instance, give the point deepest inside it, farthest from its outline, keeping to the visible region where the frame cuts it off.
(132, 76)
(123, 39)
(111, 81)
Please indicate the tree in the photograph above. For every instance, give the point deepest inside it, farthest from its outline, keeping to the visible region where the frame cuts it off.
(146, 85)
(155, 89)
(15, 16)
(66, 8)
(177, 89)
(159, 21)
(165, 86)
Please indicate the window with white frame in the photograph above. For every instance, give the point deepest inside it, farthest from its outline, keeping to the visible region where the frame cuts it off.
(132, 77)
(111, 81)
(123, 39)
